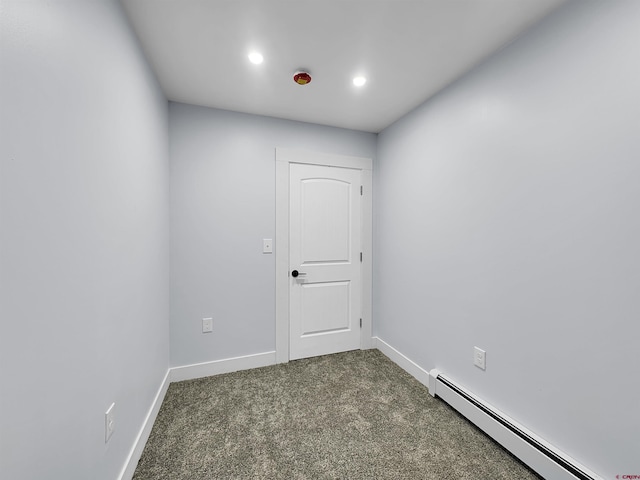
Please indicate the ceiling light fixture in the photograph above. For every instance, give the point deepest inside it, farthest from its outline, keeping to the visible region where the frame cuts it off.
(359, 81)
(256, 58)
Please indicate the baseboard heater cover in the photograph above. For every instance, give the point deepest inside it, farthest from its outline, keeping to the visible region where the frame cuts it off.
(539, 455)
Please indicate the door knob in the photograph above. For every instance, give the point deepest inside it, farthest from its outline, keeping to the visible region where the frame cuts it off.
(295, 273)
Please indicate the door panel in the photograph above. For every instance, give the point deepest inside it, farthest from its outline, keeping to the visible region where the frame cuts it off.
(325, 307)
(324, 213)
(324, 246)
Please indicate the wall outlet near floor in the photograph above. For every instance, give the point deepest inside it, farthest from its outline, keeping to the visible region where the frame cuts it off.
(479, 358)
(207, 325)
(109, 422)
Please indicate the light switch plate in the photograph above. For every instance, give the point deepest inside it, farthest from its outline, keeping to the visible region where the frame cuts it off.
(267, 245)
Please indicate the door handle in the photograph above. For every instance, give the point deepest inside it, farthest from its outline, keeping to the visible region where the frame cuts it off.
(295, 273)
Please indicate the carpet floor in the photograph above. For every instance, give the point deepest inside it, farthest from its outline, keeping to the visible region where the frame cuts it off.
(353, 415)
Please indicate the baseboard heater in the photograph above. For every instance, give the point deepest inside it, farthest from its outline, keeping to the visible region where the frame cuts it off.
(533, 451)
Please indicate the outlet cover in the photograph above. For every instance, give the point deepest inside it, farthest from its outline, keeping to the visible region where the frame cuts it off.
(267, 245)
(479, 358)
(109, 422)
(207, 325)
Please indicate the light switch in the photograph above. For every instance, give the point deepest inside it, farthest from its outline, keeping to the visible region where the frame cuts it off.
(267, 245)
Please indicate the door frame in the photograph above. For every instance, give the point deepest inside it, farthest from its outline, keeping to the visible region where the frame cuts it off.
(284, 157)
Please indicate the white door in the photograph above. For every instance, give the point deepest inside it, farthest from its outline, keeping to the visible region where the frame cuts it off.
(324, 259)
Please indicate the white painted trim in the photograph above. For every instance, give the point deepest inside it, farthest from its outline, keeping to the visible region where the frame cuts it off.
(141, 440)
(367, 260)
(505, 437)
(402, 361)
(285, 156)
(433, 376)
(282, 259)
(187, 372)
(293, 155)
(217, 367)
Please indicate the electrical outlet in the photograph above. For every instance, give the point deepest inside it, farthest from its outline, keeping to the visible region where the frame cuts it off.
(267, 245)
(479, 358)
(109, 422)
(207, 325)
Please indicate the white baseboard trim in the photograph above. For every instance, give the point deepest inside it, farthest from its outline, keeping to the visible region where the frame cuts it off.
(141, 440)
(540, 455)
(217, 367)
(187, 372)
(514, 443)
(402, 361)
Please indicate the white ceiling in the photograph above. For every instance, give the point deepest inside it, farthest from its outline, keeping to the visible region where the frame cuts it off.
(407, 49)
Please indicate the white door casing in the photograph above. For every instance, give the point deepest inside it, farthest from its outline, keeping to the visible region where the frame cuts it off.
(335, 293)
(324, 255)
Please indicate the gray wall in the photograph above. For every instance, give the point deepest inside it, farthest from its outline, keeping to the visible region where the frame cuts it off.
(84, 242)
(222, 206)
(506, 216)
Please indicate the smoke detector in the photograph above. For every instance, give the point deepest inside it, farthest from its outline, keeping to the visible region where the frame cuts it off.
(302, 77)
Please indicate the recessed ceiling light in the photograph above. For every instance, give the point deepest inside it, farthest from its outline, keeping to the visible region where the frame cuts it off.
(359, 81)
(256, 58)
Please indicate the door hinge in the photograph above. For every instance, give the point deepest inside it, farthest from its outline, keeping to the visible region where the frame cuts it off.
(360, 189)
(360, 323)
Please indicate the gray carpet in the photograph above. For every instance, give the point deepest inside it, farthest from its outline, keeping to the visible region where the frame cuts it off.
(353, 415)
